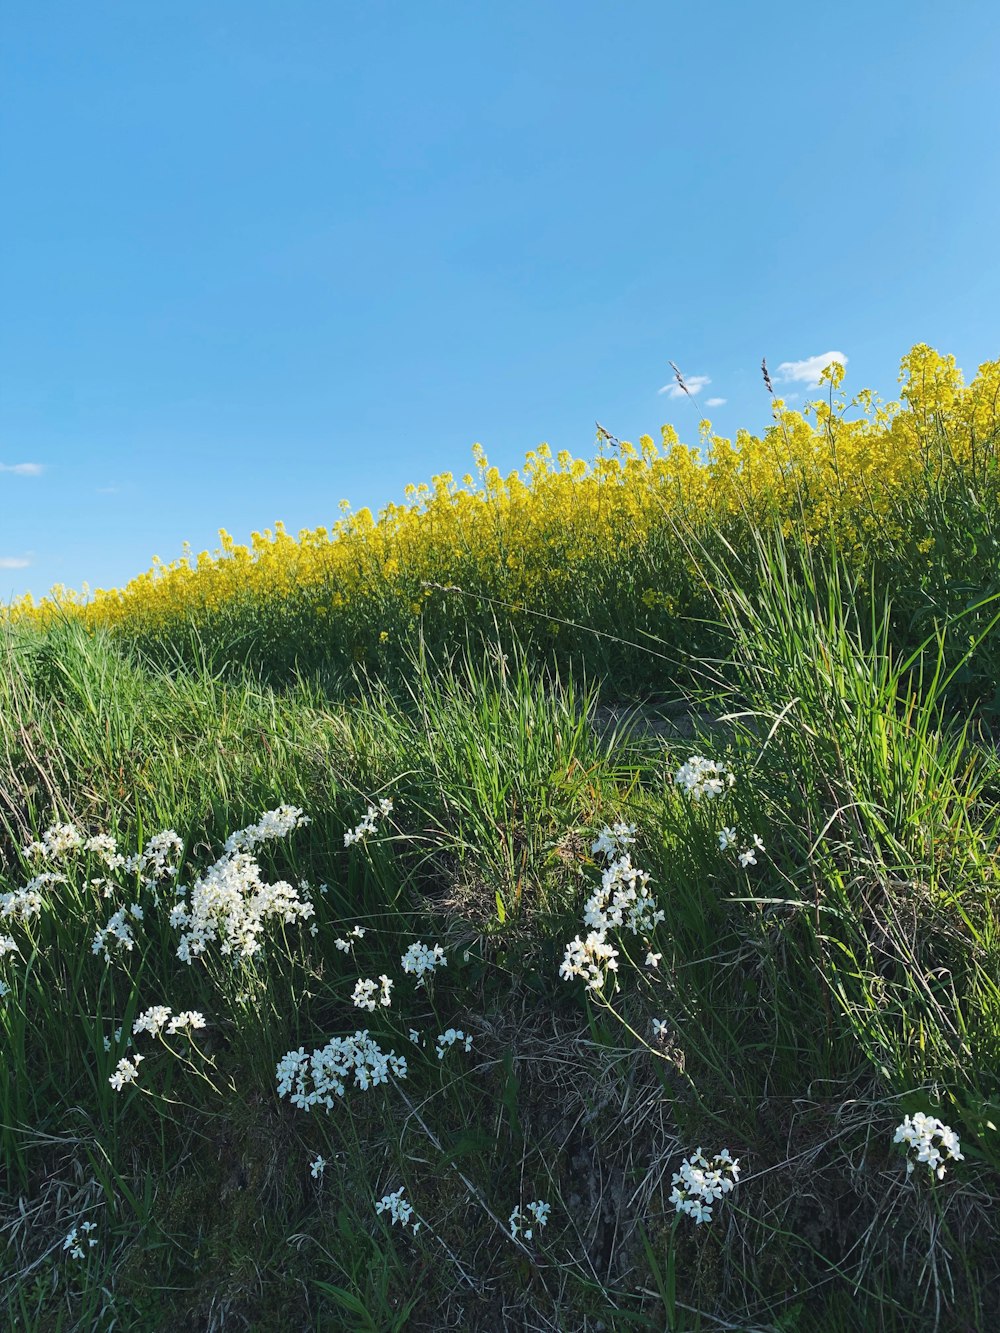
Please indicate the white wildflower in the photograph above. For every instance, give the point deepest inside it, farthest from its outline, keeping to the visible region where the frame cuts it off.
(449, 1038)
(653, 959)
(364, 995)
(127, 1072)
(272, 824)
(104, 846)
(151, 863)
(23, 904)
(317, 1167)
(117, 935)
(56, 842)
(187, 1018)
(539, 1211)
(321, 1078)
(590, 959)
(610, 841)
(397, 1207)
(72, 1243)
(369, 824)
(8, 945)
(421, 959)
(919, 1132)
(700, 1182)
(748, 856)
(230, 904)
(153, 1020)
(702, 777)
(727, 836)
(623, 900)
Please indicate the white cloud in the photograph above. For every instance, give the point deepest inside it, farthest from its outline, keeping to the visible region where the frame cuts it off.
(807, 371)
(23, 469)
(714, 402)
(13, 562)
(108, 490)
(695, 384)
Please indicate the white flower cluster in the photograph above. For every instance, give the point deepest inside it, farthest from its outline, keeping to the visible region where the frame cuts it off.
(592, 959)
(539, 1214)
(623, 902)
(358, 933)
(398, 1209)
(702, 777)
(157, 1017)
(610, 841)
(74, 1241)
(56, 842)
(364, 993)
(104, 846)
(449, 1038)
(700, 1182)
(127, 1072)
(369, 823)
(61, 839)
(748, 854)
(23, 904)
(272, 824)
(8, 945)
(230, 903)
(318, 1079)
(918, 1132)
(117, 934)
(151, 863)
(153, 1020)
(421, 959)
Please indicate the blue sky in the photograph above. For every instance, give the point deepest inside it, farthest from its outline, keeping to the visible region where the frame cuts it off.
(256, 258)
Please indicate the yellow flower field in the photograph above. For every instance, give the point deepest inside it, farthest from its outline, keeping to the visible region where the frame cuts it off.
(597, 543)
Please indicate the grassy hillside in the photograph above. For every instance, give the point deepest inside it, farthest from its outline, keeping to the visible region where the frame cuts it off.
(434, 928)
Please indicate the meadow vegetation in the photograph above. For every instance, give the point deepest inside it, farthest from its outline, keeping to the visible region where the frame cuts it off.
(564, 902)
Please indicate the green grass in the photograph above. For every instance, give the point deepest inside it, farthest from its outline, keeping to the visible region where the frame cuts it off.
(850, 977)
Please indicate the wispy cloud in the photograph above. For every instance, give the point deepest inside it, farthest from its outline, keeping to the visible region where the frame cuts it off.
(14, 562)
(695, 384)
(108, 490)
(714, 402)
(23, 469)
(807, 371)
